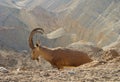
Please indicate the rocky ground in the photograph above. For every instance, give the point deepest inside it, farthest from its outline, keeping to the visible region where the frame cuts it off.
(20, 68)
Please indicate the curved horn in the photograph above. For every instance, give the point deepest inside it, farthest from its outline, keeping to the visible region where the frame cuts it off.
(40, 30)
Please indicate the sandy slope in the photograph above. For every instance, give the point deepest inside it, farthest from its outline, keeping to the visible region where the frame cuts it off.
(29, 71)
(103, 73)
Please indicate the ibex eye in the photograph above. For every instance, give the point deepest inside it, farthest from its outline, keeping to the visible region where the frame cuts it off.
(37, 45)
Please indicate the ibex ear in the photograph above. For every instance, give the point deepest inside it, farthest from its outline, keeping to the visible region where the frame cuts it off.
(37, 43)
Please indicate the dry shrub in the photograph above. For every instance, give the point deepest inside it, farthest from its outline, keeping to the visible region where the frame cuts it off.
(109, 55)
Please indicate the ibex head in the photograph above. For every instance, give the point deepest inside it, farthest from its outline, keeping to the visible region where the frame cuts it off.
(35, 48)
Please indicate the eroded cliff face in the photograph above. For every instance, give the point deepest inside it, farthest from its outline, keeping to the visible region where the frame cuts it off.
(16, 24)
(96, 21)
(93, 20)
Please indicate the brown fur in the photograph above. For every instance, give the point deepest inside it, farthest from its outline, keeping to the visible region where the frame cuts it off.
(60, 57)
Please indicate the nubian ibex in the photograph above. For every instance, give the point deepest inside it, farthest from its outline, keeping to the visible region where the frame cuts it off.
(59, 57)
